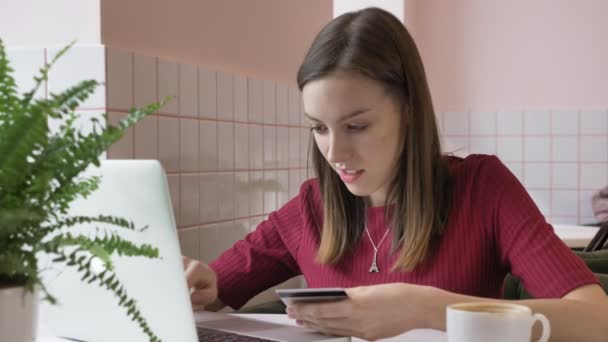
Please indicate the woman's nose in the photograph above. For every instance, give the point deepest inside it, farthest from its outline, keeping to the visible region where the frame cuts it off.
(338, 150)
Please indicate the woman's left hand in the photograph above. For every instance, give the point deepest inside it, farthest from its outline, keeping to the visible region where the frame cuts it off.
(370, 312)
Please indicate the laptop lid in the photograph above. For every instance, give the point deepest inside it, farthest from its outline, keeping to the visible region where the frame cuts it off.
(136, 190)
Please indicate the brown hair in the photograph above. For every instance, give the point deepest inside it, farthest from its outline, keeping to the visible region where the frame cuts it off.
(376, 44)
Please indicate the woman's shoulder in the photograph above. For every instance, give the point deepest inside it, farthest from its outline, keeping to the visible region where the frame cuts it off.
(479, 171)
(474, 165)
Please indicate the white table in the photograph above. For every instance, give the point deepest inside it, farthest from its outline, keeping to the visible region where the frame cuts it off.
(419, 335)
(575, 236)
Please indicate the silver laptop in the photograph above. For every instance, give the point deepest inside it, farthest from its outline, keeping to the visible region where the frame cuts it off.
(137, 190)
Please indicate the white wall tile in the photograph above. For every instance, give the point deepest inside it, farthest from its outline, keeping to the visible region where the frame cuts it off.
(542, 199)
(144, 80)
(188, 90)
(594, 148)
(255, 89)
(537, 175)
(189, 145)
(240, 98)
(241, 148)
(241, 199)
(283, 193)
(270, 146)
(483, 123)
(509, 122)
(294, 147)
(294, 183)
(208, 242)
(168, 143)
(565, 176)
(209, 190)
(226, 196)
(456, 123)
(270, 191)
(303, 119)
(565, 148)
(225, 96)
(207, 93)
(564, 122)
(270, 103)
(282, 104)
(594, 176)
(26, 62)
(517, 169)
(225, 145)
(537, 122)
(594, 122)
(537, 148)
(256, 147)
(282, 147)
(293, 101)
(564, 203)
(189, 199)
(88, 62)
(510, 148)
(256, 195)
(168, 85)
(456, 145)
(189, 242)
(564, 220)
(208, 148)
(483, 145)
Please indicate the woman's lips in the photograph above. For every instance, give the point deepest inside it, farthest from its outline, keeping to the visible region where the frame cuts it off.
(349, 178)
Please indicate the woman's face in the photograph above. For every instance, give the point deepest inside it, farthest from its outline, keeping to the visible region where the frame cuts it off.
(357, 127)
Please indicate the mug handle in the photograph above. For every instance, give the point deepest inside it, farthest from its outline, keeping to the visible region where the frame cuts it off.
(546, 327)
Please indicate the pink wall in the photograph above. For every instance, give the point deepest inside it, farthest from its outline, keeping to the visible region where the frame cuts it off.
(483, 54)
(264, 38)
(527, 81)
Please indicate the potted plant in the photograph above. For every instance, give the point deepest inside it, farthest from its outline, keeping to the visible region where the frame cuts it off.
(40, 175)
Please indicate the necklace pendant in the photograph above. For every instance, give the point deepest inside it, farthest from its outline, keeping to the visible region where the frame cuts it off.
(374, 267)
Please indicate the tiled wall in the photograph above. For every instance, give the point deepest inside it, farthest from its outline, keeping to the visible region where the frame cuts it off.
(561, 156)
(234, 147)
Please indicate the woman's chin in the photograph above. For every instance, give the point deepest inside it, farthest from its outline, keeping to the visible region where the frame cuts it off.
(356, 190)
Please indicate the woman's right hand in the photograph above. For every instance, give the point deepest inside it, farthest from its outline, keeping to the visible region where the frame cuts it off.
(202, 283)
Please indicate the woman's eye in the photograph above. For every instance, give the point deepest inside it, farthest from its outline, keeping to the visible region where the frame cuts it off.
(357, 128)
(318, 129)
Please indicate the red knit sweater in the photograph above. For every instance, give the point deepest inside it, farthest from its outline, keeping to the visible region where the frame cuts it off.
(494, 228)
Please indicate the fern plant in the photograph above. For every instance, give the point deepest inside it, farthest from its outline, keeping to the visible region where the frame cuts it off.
(40, 175)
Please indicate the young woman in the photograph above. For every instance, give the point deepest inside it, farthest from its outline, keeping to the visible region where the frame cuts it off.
(404, 228)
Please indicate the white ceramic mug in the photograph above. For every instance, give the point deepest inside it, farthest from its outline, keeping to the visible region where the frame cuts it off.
(497, 322)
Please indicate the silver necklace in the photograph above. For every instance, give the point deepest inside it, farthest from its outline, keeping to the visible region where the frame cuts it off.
(374, 266)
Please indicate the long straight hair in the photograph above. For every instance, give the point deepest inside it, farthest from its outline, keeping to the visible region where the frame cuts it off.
(374, 43)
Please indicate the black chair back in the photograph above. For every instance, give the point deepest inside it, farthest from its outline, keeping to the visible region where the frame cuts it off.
(599, 240)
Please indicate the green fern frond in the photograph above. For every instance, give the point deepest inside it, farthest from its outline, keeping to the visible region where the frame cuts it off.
(43, 75)
(9, 102)
(109, 280)
(67, 101)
